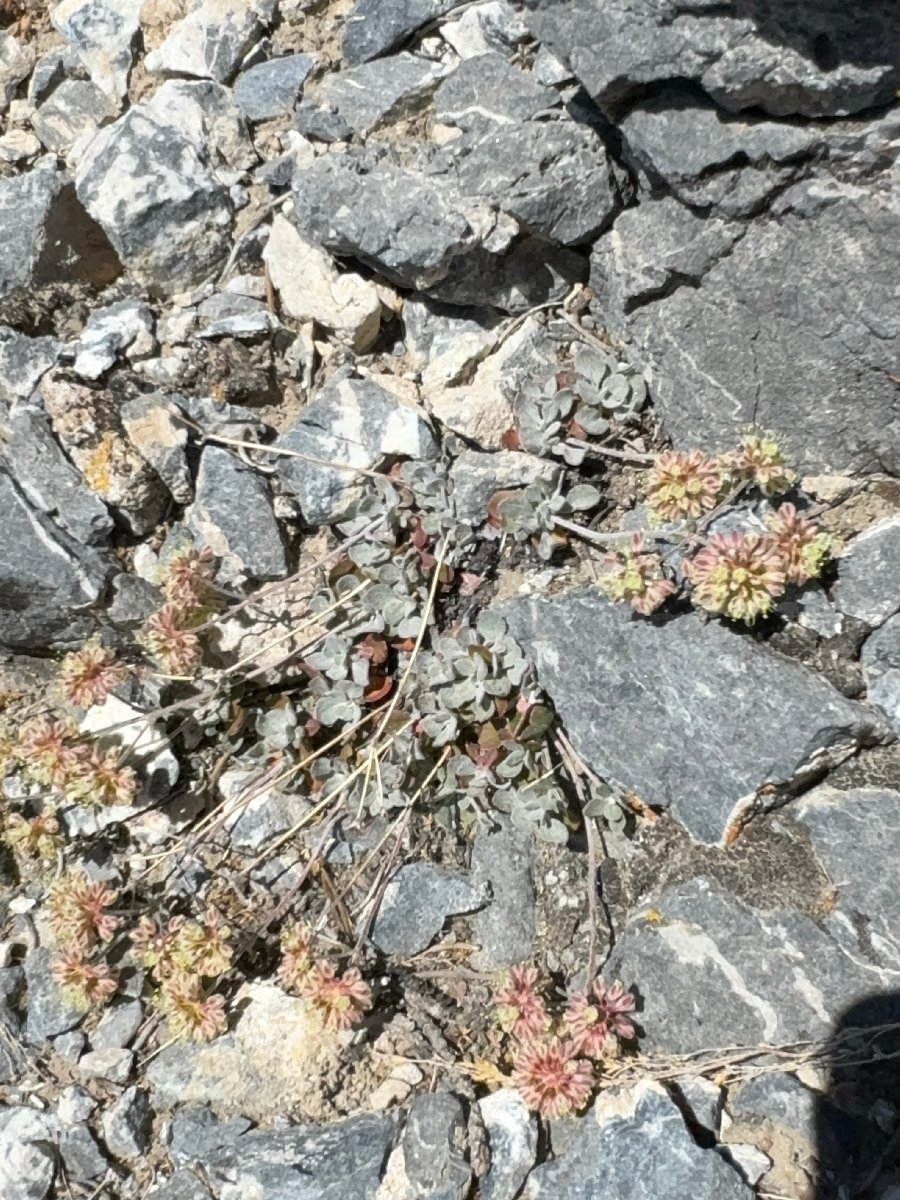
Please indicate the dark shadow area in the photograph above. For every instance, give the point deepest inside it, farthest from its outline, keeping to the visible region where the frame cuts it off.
(858, 1120)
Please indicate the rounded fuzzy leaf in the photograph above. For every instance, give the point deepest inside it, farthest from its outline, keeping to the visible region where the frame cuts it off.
(583, 496)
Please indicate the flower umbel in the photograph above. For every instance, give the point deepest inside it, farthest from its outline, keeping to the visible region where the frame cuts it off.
(737, 574)
(191, 1013)
(551, 1078)
(760, 461)
(338, 1000)
(519, 1006)
(171, 641)
(77, 913)
(637, 576)
(84, 983)
(99, 778)
(33, 837)
(682, 484)
(802, 546)
(590, 1020)
(296, 961)
(155, 947)
(48, 750)
(90, 674)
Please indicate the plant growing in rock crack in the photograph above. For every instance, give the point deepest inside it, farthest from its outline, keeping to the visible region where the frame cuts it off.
(739, 574)
(557, 1051)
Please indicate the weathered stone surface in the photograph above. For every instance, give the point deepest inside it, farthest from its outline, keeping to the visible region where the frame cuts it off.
(50, 481)
(689, 716)
(313, 289)
(254, 814)
(232, 513)
(331, 1163)
(47, 580)
(118, 1025)
(124, 325)
(183, 1185)
(503, 862)
(27, 1161)
(760, 55)
(368, 95)
(82, 1157)
(868, 583)
(530, 274)
(397, 221)
(489, 87)
(354, 422)
(446, 342)
(271, 88)
(154, 429)
(102, 33)
(48, 1011)
(24, 203)
(492, 25)
(432, 1151)
(160, 205)
(475, 476)
(195, 1132)
(128, 1125)
(881, 662)
(416, 904)
(635, 1146)
(211, 41)
(207, 115)
(775, 1111)
(113, 1063)
(88, 427)
(513, 1138)
(73, 111)
(375, 26)
(16, 61)
(743, 324)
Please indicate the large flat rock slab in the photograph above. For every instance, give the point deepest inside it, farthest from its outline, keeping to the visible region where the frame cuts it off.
(688, 715)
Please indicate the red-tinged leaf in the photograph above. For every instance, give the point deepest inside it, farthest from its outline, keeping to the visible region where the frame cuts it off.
(577, 431)
(377, 688)
(489, 736)
(404, 645)
(495, 505)
(511, 439)
(373, 648)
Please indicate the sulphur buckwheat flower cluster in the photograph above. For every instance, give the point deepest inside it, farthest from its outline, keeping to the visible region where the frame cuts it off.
(637, 576)
(683, 485)
(556, 1060)
(737, 574)
(77, 916)
(171, 634)
(89, 675)
(337, 1001)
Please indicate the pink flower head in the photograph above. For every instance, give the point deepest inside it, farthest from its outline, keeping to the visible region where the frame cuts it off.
(737, 574)
(682, 484)
(155, 947)
(519, 1005)
(802, 546)
(90, 674)
(637, 576)
(191, 1013)
(84, 983)
(98, 778)
(296, 961)
(188, 577)
(77, 911)
(589, 1021)
(171, 640)
(48, 750)
(338, 1000)
(761, 462)
(551, 1079)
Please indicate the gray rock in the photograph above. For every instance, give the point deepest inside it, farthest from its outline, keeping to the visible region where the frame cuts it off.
(242, 325)
(23, 360)
(82, 1157)
(133, 600)
(635, 1147)
(12, 987)
(25, 201)
(355, 422)
(271, 88)
(196, 1132)
(113, 1063)
(688, 715)
(489, 87)
(375, 26)
(50, 482)
(47, 581)
(512, 1133)
(445, 342)
(75, 109)
(183, 1185)
(211, 41)
(169, 217)
(50, 70)
(331, 1163)
(530, 274)
(232, 513)
(761, 55)
(868, 584)
(416, 904)
(403, 224)
(503, 863)
(27, 1159)
(704, 1100)
(779, 1099)
(156, 431)
(48, 1011)
(102, 33)
(69, 1045)
(743, 324)
(207, 115)
(253, 815)
(118, 1025)
(109, 330)
(881, 663)
(490, 25)
(128, 1125)
(475, 476)
(75, 1105)
(16, 61)
(364, 97)
(434, 1148)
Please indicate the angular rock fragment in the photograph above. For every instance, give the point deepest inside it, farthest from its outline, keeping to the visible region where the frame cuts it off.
(868, 583)
(488, 87)
(232, 514)
(513, 1139)
(271, 88)
(760, 55)
(431, 1156)
(208, 116)
(689, 716)
(417, 903)
(313, 289)
(25, 201)
(492, 25)
(27, 1161)
(72, 113)
(23, 360)
(16, 61)
(212, 39)
(368, 95)
(504, 930)
(127, 1125)
(375, 26)
(881, 663)
(125, 325)
(102, 33)
(354, 422)
(635, 1144)
(154, 428)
